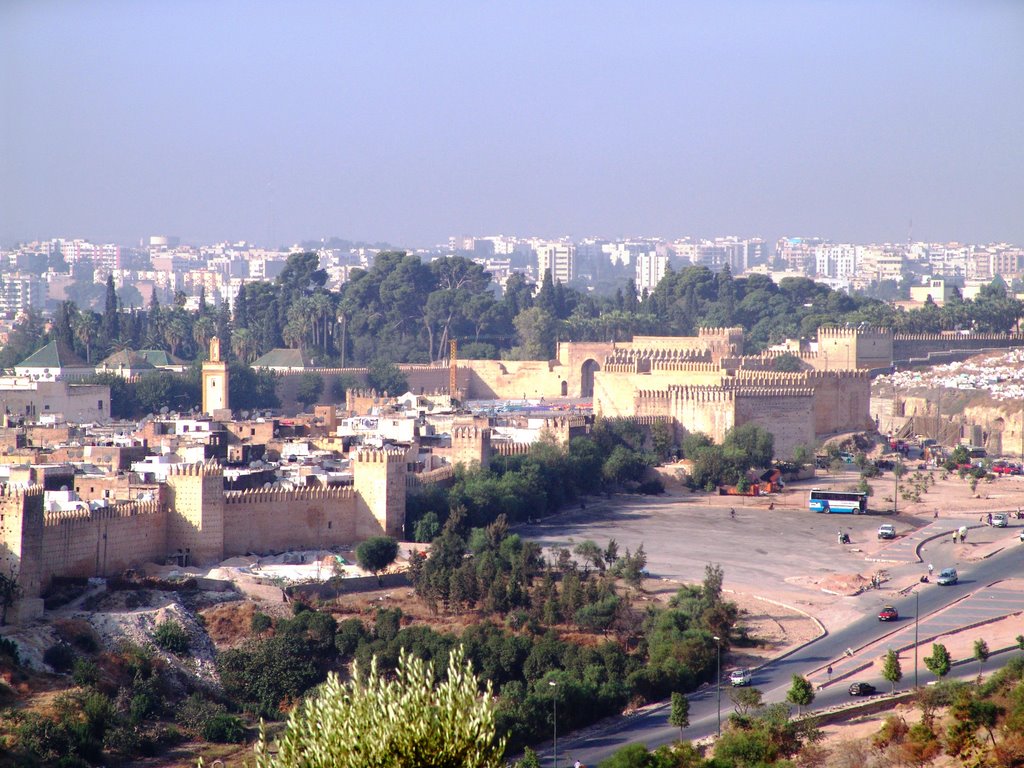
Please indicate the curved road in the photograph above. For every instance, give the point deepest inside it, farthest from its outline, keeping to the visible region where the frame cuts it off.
(773, 679)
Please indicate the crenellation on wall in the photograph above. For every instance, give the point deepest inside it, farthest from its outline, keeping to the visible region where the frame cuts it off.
(511, 449)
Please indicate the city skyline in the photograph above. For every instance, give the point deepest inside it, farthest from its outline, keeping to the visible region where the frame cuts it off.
(275, 124)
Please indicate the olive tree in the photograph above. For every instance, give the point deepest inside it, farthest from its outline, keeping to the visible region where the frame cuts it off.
(411, 719)
(801, 693)
(376, 553)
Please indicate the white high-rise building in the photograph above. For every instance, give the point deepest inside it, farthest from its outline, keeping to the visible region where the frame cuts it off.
(559, 258)
(650, 268)
(836, 261)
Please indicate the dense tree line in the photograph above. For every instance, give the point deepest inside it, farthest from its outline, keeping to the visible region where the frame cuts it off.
(401, 309)
(517, 647)
(616, 454)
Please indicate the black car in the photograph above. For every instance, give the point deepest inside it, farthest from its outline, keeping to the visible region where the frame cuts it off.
(862, 689)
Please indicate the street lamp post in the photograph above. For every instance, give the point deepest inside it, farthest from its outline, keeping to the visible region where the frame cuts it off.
(917, 618)
(554, 746)
(718, 682)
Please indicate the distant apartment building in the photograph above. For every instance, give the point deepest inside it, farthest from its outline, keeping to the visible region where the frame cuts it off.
(20, 291)
(103, 255)
(1005, 260)
(798, 253)
(885, 266)
(935, 288)
(650, 268)
(836, 261)
(557, 258)
(625, 253)
(739, 254)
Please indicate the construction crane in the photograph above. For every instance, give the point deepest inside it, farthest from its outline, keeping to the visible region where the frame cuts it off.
(453, 359)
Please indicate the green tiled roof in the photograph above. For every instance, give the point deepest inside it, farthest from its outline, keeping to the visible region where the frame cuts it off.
(128, 358)
(283, 358)
(157, 357)
(56, 354)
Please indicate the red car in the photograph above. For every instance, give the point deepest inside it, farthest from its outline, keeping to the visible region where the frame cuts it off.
(888, 613)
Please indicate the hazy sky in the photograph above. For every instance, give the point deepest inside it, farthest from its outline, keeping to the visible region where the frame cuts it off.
(412, 121)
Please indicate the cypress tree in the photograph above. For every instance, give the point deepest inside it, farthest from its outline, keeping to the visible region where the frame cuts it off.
(111, 326)
(241, 309)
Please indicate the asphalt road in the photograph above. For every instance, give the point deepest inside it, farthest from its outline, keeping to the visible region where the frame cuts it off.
(773, 679)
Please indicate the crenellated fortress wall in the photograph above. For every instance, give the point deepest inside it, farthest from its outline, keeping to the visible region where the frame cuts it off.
(196, 521)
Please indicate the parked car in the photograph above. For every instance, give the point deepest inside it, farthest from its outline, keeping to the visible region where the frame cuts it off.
(888, 613)
(740, 677)
(887, 531)
(1000, 520)
(862, 689)
(947, 577)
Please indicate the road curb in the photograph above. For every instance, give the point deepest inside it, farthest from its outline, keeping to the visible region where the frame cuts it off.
(921, 641)
(917, 549)
(822, 630)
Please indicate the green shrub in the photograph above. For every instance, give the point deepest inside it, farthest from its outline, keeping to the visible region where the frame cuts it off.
(260, 622)
(224, 729)
(85, 673)
(172, 637)
(350, 635)
(60, 657)
(193, 713)
(146, 699)
(9, 649)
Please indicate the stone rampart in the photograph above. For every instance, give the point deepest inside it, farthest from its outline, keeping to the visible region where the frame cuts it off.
(104, 541)
(908, 347)
(442, 475)
(788, 413)
(511, 449)
(303, 518)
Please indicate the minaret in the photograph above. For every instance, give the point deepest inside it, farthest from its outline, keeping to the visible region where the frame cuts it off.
(215, 381)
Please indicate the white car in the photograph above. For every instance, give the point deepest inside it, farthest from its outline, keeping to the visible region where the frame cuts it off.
(887, 531)
(1000, 520)
(740, 677)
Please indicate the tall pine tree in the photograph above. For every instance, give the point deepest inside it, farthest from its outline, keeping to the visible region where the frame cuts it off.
(111, 326)
(241, 319)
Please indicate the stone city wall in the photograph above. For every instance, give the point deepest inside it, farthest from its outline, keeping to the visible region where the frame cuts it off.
(842, 399)
(302, 518)
(786, 412)
(912, 346)
(102, 542)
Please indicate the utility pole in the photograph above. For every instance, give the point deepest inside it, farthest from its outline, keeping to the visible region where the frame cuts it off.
(718, 682)
(554, 684)
(917, 618)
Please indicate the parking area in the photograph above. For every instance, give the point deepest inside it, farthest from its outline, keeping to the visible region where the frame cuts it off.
(760, 550)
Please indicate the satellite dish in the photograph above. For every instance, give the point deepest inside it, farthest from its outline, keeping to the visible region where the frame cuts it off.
(164, 410)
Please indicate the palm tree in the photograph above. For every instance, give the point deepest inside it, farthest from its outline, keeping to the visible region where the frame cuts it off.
(322, 309)
(86, 326)
(175, 332)
(244, 344)
(300, 322)
(203, 329)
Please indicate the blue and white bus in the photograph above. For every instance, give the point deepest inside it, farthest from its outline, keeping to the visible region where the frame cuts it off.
(838, 502)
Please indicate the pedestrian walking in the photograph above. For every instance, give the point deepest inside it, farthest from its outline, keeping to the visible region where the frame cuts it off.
(828, 672)
(930, 569)
(990, 518)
